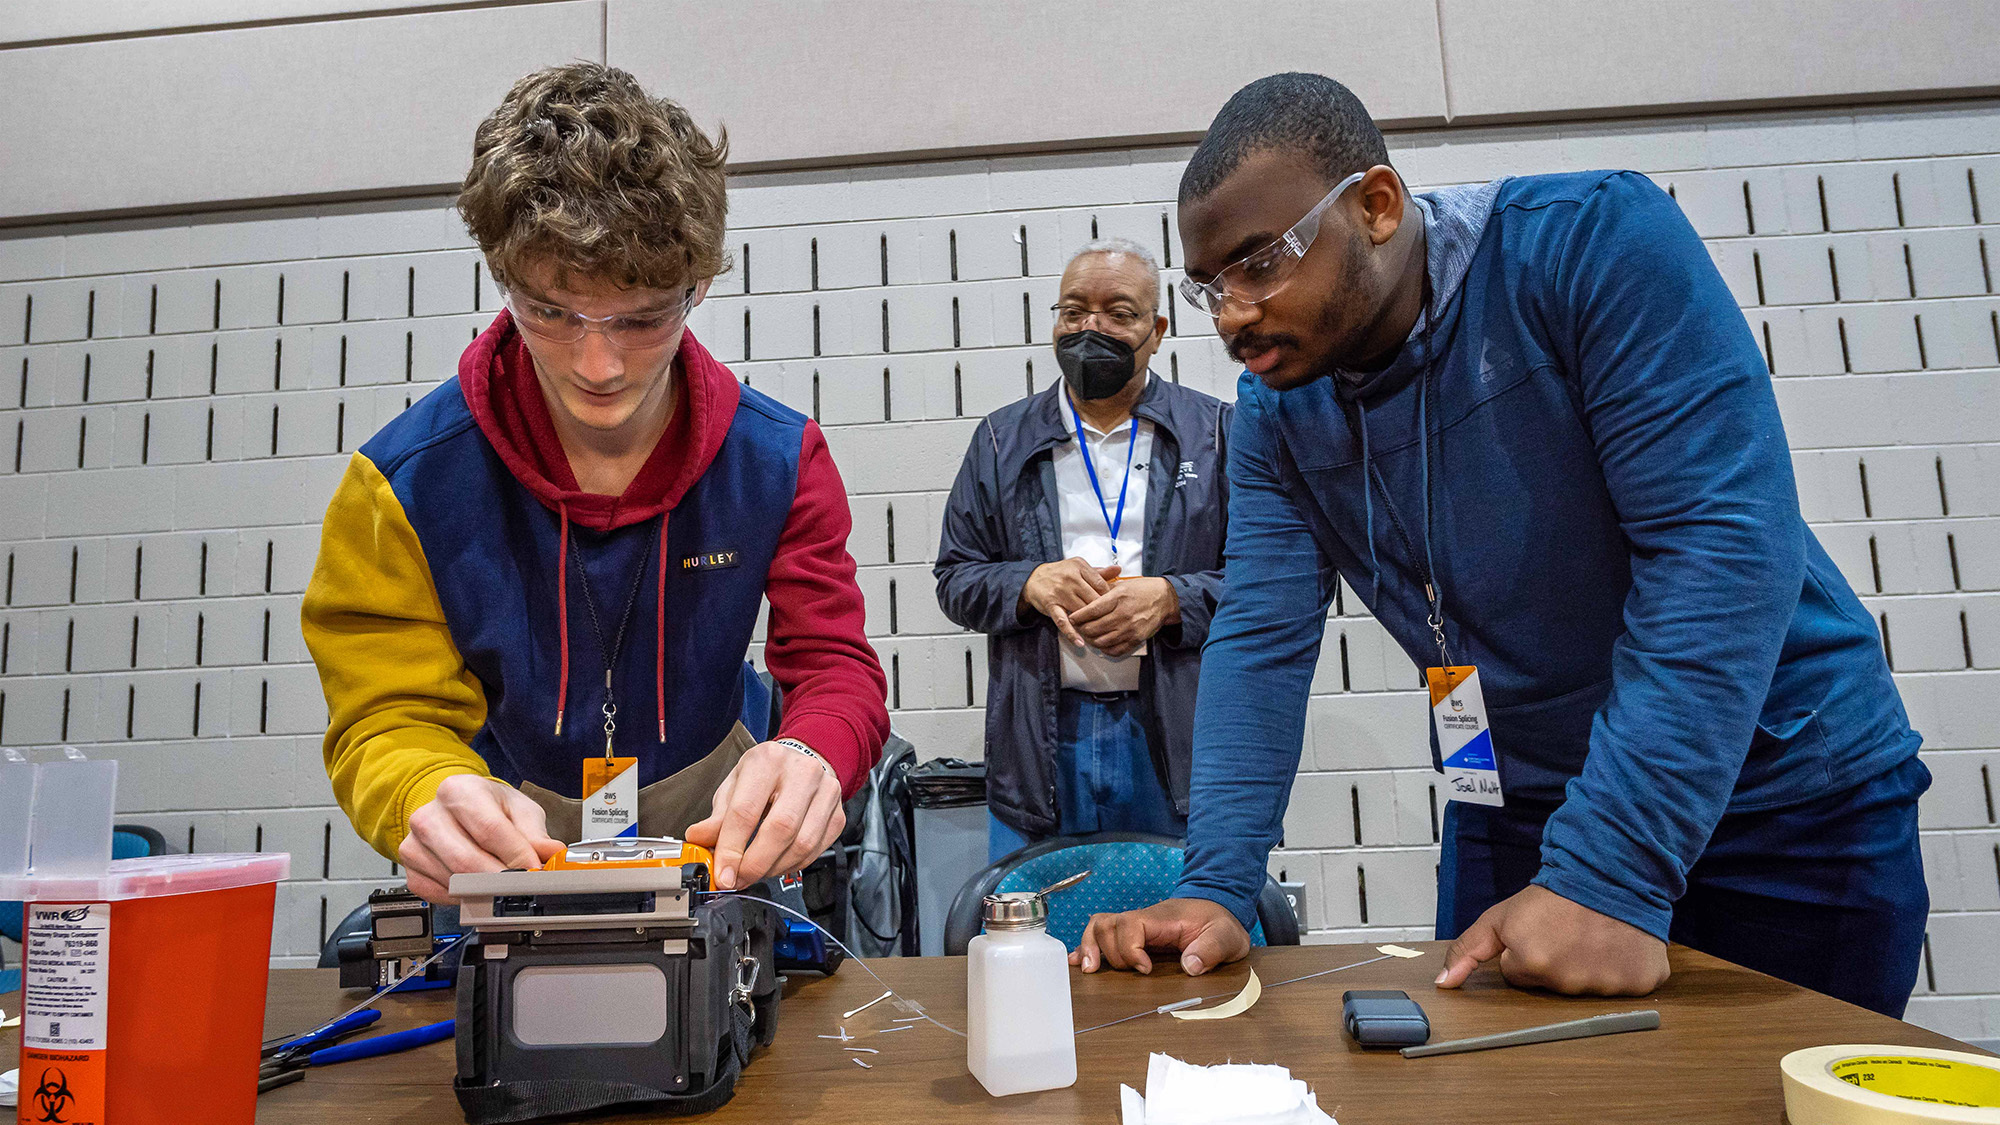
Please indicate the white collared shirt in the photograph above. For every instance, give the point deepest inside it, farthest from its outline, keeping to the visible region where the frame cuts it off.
(1086, 534)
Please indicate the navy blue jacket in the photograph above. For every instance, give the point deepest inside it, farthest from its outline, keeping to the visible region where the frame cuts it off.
(1002, 521)
(1617, 533)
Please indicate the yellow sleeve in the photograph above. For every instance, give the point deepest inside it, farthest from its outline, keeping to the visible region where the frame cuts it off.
(402, 706)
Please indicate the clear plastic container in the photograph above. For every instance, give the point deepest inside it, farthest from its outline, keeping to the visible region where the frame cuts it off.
(17, 811)
(1020, 1035)
(71, 824)
(143, 989)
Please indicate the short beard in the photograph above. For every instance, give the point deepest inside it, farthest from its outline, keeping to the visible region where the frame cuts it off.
(1339, 355)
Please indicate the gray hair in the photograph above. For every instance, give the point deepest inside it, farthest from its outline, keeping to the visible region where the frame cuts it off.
(1122, 246)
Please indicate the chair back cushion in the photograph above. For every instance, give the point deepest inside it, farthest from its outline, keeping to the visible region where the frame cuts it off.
(1124, 875)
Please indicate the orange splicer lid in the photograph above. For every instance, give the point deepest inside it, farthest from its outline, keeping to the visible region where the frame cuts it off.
(677, 854)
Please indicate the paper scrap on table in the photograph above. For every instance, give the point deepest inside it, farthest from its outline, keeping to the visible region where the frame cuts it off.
(7, 1021)
(1179, 1093)
(1399, 951)
(1235, 1006)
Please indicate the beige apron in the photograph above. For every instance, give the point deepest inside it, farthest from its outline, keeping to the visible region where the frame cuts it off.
(667, 806)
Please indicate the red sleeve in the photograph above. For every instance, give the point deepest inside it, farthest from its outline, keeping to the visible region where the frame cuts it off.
(817, 645)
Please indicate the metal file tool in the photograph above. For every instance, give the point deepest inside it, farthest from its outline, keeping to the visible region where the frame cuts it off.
(1573, 1029)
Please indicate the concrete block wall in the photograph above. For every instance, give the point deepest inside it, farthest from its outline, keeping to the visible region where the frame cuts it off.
(178, 396)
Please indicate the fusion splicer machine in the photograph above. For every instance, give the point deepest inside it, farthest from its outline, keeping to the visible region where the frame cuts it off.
(605, 979)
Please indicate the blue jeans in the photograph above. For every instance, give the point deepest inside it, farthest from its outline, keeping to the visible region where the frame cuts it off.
(1105, 780)
(1828, 895)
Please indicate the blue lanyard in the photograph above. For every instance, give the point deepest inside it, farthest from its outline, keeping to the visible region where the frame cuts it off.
(1111, 522)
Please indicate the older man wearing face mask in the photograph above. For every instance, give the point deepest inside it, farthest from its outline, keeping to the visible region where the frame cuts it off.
(1084, 537)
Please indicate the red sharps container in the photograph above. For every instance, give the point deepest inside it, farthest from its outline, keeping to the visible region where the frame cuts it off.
(143, 990)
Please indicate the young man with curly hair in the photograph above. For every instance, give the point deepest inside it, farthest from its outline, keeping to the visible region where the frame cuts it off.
(559, 555)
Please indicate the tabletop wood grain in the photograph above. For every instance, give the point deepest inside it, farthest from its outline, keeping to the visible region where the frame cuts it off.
(1713, 1061)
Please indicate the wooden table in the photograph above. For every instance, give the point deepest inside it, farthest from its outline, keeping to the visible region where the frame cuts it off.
(1714, 1060)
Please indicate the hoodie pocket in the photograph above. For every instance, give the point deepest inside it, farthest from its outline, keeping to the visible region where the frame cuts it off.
(1788, 763)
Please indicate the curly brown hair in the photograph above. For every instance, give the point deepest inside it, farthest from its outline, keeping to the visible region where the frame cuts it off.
(581, 170)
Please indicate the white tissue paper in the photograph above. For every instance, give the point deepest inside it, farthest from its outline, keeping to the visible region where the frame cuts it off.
(1178, 1093)
(9, 1083)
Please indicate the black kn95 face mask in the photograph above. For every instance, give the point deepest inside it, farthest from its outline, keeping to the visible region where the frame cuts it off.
(1095, 365)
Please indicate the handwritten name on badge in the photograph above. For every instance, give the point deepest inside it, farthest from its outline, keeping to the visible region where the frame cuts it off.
(714, 560)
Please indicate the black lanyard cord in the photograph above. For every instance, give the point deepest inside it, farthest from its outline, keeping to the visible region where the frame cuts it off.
(617, 647)
(1372, 477)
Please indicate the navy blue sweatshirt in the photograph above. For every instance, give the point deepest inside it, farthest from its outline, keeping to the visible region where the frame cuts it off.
(1616, 534)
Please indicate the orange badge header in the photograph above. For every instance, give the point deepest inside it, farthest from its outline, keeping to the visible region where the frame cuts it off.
(1442, 680)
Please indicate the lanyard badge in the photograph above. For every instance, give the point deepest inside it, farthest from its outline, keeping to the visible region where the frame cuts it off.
(1458, 707)
(1465, 742)
(1113, 520)
(610, 798)
(610, 785)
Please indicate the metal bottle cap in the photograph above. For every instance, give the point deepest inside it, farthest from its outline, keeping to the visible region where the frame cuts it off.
(1015, 910)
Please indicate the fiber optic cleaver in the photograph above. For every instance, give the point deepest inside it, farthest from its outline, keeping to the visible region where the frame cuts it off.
(606, 978)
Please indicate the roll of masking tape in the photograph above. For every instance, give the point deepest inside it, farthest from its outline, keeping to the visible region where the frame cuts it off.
(1870, 1084)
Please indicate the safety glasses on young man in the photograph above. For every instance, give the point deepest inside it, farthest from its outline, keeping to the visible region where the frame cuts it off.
(559, 325)
(1259, 275)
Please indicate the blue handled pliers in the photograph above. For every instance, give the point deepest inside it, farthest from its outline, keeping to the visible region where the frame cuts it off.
(324, 1035)
(288, 1063)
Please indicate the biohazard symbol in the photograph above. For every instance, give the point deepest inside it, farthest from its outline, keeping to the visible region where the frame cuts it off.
(53, 1094)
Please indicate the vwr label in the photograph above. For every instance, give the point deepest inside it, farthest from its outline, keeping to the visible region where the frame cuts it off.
(68, 954)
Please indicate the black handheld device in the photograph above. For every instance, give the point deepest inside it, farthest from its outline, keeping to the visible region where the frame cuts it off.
(1383, 1018)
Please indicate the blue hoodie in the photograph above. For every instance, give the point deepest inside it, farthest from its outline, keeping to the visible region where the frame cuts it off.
(1617, 538)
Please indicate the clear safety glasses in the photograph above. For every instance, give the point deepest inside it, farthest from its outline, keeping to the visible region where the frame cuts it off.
(559, 325)
(1262, 273)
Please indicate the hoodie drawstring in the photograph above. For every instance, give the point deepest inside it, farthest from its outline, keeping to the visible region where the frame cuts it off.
(660, 633)
(1368, 506)
(562, 613)
(1432, 599)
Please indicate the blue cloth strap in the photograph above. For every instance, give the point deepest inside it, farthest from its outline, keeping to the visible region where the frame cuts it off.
(1111, 522)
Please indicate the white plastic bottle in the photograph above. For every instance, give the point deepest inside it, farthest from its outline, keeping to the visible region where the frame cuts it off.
(1020, 1035)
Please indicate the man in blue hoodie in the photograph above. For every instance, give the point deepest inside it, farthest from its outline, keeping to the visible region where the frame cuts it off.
(1527, 423)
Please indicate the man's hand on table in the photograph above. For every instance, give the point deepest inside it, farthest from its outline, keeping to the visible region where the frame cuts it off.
(775, 812)
(473, 824)
(1204, 932)
(1544, 940)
